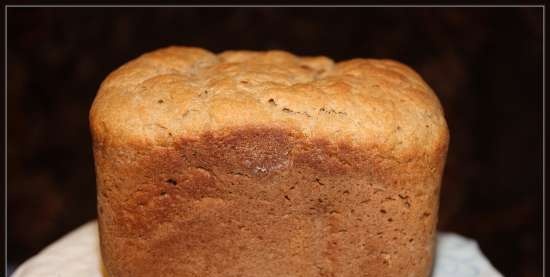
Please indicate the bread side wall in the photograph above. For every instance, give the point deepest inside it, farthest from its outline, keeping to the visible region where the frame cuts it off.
(260, 201)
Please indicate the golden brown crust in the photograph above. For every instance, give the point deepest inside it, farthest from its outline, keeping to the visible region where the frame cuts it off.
(182, 92)
(228, 183)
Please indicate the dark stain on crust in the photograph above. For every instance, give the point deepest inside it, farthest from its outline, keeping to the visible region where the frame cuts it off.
(252, 152)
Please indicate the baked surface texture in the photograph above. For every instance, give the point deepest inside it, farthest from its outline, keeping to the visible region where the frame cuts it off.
(265, 164)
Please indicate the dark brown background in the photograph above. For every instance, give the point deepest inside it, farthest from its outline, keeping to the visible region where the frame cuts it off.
(484, 63)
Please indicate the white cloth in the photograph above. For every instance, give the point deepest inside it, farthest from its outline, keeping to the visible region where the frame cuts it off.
(77, 255)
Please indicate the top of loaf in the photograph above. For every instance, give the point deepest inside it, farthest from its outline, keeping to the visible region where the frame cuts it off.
(183, 92)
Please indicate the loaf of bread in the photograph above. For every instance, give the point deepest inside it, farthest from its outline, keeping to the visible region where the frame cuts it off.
(266, 164)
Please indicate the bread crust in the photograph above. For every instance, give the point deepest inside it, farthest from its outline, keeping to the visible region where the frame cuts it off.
(266, 164)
